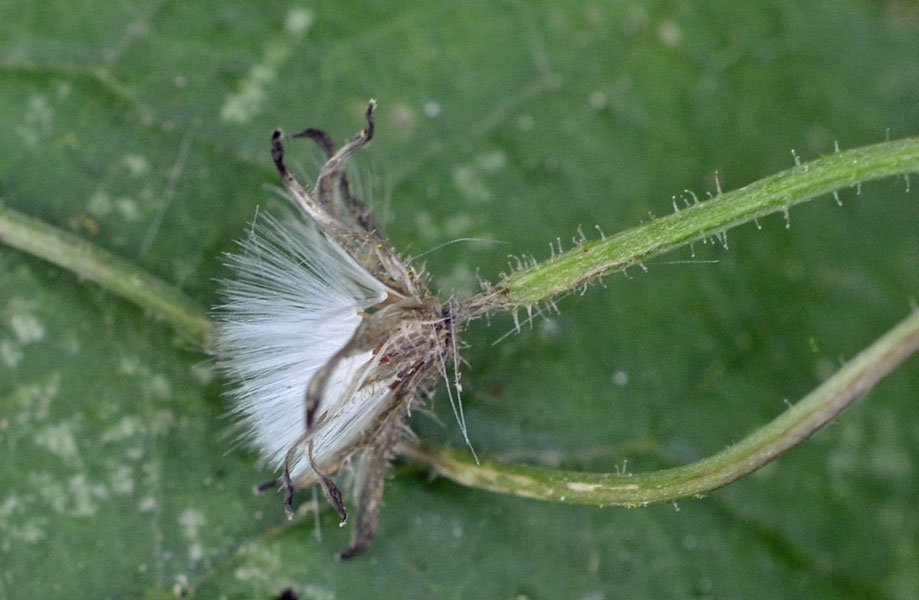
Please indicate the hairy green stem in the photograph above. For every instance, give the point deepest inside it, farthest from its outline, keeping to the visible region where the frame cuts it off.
(111, 272)
(527, 287)
(762, 446)
(700, 220)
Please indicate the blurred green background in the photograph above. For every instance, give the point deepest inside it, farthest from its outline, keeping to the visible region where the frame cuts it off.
(144, 126)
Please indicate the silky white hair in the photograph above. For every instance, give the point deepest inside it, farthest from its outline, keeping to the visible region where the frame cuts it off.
(296, 299)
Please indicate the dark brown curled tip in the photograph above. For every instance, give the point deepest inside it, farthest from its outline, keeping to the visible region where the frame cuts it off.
(322, 140)
(355, 550)
(368, 132)
(274, 484)
(277, 151)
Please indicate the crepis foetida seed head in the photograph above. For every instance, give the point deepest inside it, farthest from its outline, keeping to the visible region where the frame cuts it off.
(329, 338)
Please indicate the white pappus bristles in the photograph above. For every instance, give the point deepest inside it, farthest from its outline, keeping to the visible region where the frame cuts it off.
(295, 301)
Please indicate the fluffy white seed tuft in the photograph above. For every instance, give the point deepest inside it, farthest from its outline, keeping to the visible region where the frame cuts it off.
(296, 300)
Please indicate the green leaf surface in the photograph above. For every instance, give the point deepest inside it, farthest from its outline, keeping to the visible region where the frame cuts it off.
(144, 127)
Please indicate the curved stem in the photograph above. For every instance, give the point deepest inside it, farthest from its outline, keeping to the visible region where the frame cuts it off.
(589, 260)
(762, 446)
(111, 272)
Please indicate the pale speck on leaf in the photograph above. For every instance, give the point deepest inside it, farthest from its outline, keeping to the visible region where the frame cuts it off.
(127, 209)
(135, 164)
(524, 122)
(669, 33)
(11, 354)
(84, 495)
(127, 427)
(549, 330)
(27, 328)
(60, 441)
(298, 21)
(470, 182)
(598, 100)
(431, 109)
(121, 480)
(402, 120)
(492, 161)
(99, 204)
(129, 365)
(37, 123)
(160, 386)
